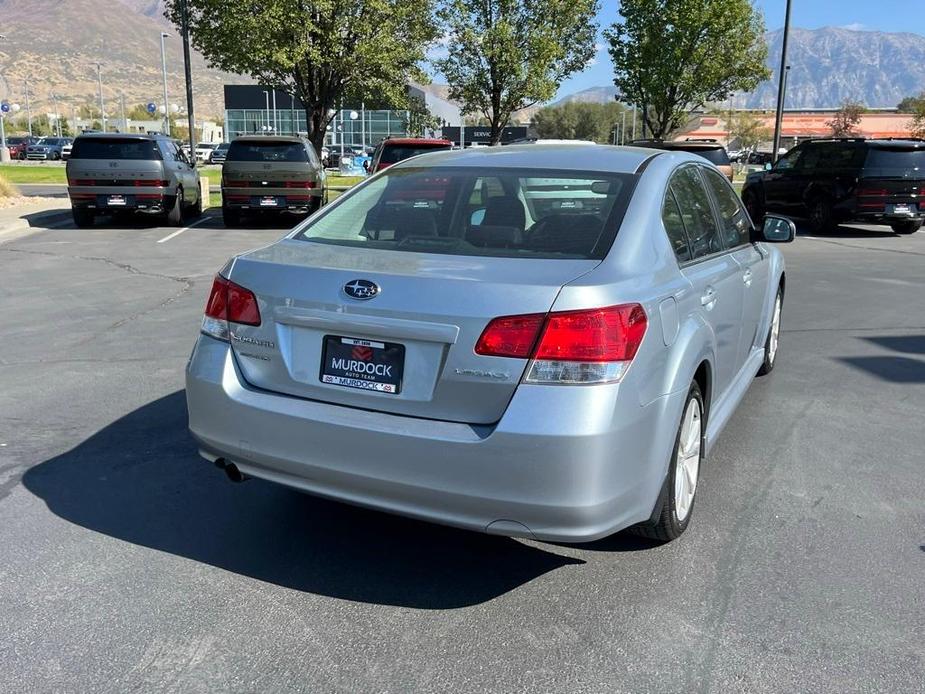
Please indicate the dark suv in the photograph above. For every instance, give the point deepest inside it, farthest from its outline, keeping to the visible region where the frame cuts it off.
(844, 180)
(710, 150)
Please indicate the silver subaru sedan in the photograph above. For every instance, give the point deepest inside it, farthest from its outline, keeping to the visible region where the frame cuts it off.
(540, 341)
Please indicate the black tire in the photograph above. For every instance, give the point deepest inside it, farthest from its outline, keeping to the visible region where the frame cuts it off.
(820, 216)
(194, 211)
(231, 218)
(755, 208)
(55, 156)
(906, 227)
(667, 525)
(22, 156)
(83, 218)
(174, 216)
(770, 354)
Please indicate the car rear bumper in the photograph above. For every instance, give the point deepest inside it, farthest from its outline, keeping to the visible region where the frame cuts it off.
(38, 156)
(137, 200)
(285, 199)
(569, 464)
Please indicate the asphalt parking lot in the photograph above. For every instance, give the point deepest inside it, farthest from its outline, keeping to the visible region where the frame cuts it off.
(129, 564)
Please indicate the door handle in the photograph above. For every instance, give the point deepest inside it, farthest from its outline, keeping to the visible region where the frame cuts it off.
(747, 278)
(708, 298)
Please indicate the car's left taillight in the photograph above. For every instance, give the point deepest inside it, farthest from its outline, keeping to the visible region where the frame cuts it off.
(228, 303)
(569, 347)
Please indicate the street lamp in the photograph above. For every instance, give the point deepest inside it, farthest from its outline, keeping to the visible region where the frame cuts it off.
(781, 85)
(266, 113)
(99, 78)
(25, 88)
(164, 71)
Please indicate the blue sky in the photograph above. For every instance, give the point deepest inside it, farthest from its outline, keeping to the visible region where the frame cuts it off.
(881, 15)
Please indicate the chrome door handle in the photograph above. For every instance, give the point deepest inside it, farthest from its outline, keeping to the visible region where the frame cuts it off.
(747, 278)
(708, 298)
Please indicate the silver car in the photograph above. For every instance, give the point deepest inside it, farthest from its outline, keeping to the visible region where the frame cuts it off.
(537, 341)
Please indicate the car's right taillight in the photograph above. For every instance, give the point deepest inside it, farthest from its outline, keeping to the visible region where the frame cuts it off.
(228, 303)
(569, 347)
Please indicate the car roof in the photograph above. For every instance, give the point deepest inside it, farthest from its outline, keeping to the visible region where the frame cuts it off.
(291, 139)
(122, 136)
(567, 157)
(416, 141)
(685, 145)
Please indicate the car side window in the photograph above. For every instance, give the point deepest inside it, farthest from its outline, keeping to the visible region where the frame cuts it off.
(789, 161)
(809, 162)
(734, 222)
(674, 227)
(696, 212)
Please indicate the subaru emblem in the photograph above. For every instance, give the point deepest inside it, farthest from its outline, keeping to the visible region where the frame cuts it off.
(361, 289)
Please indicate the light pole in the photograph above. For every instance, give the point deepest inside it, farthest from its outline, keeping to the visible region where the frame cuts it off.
(266, 113)
(275, 121)
(99, 79)
(781, 85)
(187, 74)
(124, 122)
(25, 87)
(54, 100)
(164, 72)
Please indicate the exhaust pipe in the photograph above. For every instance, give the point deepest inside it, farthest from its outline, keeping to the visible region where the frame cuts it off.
(234, 474)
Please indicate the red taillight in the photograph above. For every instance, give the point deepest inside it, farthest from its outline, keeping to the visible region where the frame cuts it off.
(872, 192)
(141, 183)
(300, 184)
(590, 335)
(235, 184)
(510, 336)
(233, 303)
(81, 182)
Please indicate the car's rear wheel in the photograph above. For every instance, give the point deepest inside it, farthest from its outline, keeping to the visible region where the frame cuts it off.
(231, 218)
(773, 340)
(194, 211)
(820, 216)
(174, 216)
(906, 227)
(676, 502)
(82, 217)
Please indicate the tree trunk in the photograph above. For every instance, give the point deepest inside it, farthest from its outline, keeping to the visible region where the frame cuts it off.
(316, 120)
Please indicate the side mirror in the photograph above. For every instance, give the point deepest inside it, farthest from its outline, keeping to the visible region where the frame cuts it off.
(767, 166)
(776, 229)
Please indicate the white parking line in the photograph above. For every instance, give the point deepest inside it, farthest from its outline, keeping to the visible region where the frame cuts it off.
(180, 231)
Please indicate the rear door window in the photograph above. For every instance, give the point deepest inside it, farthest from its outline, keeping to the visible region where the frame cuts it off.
(255, 150)
(895, 162)
(114, 148)
(674, 227)
(734, 222)
(696, 213)
(715, 156)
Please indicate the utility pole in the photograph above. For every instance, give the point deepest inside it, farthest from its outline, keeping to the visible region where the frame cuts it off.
(188, 75)
(266, 112)
(275, 119)
(164, 72)
(124, 122)
(99, 78)
(54, 100)
(781, 85)
(623, 129)
(25, 88)
(634, 121)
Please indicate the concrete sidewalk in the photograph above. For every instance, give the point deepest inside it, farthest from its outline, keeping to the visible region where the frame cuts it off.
(18, 221)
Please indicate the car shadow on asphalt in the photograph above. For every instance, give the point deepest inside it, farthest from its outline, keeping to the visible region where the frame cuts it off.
(140, 480)
(892, 369)
(846, 231)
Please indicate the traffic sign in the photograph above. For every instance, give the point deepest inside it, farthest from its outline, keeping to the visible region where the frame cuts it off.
(151, 107)
(5, 107)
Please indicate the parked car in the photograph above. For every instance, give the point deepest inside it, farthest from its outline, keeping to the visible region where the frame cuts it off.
(47, 148)
(204, 150)
(830, 181)
(217, 156)
(17, 145)
(395, 149)
(710, 150)
(335, 154)
(264, 174)
(499, 339)
(66, 151)
(142, 174)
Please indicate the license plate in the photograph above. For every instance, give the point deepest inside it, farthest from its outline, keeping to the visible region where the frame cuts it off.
(268, 202)
(116, 201)
(902, 209)
(363, 364)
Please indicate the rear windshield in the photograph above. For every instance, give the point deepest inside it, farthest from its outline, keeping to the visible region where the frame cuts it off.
(392, 154)
(716, 156)
(895, 162)
(114, 148)
(487, 212)
(255, 150)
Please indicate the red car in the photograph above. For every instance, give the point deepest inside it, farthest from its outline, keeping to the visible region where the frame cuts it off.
(393, 150)
(18, 143)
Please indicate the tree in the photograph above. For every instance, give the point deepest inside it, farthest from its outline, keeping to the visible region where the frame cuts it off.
(672, 56)
(580, 121)
(506, 55)
(911, 104)
(420, 119)
(748, 129)
(846, 119)
(917, 128)
(319, 50)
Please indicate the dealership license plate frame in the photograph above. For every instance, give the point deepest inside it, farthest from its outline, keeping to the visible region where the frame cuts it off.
(116, 201)
(379, 352)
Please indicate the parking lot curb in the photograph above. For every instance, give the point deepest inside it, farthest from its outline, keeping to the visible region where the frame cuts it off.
(30, 222)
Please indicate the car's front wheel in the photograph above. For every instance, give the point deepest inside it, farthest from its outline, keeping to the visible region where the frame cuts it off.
(906, 227)
(773, 340)
(676, 502)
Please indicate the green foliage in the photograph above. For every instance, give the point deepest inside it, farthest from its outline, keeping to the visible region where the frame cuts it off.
(505, 55)
(320, 50)
(748, 129)
(911, 104)
(672, 56)
(918, 121)
(582, 121)
(846, 119)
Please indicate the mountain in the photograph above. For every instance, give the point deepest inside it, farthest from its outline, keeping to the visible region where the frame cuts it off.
(592, 95)
(55, 44)
(828, 66)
